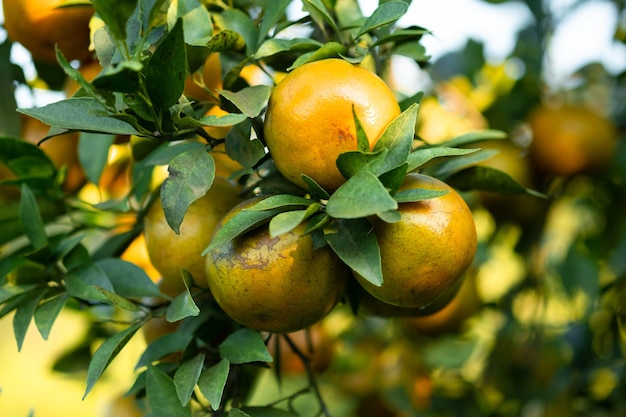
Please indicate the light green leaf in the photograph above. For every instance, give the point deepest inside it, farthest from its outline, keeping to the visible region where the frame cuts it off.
(385, 14)
(182, 306)
(115, 14)
(289, 220)
(398, 139)
(361, 196)
(418, 194)
(250, 100)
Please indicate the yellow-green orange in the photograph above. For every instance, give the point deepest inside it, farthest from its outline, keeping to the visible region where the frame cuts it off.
(309, 119)
(169, 252)
(279, 284)
(424, 254)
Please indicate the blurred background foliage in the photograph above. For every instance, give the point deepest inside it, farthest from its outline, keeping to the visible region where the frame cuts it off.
(539, 328)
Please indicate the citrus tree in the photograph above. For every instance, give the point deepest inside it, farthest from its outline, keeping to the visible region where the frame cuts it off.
(242, 184)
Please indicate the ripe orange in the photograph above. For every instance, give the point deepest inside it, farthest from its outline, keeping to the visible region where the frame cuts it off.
(309, 119)
(279, 284)
(169, 252)
(62, 150)
(201, 85)
(425, 254)
(569, 140)
(40, 24)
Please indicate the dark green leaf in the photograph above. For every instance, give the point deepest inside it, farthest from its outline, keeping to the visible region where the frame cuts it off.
(82, 282)
(363, 143)
(280, 201)
(354, 241)
(316, 190)
(103, 356)
(191, 175)
(454, 165)
(115, 14)
(241, 24)
(320, 14)
(351, 162)
(361, 196)
(162, 396)
(24, 314)
(197, 22)
(240, 148)
(265, 412)
(212, 382)
(276, 46)
(226, 40)
(402, 35)
(235, 412)
(47, 313)
(398, 139)
(250, 100)
(117, 300)
(385, 14)
(123, 77)
(244, 346)
(328, 50)
(473, 137)
(273, 11)
(289, 220)
(164, 346)
(421, 156)
(186, 377)
(417, 194)
(164, 154)
(182, 306)
(166, 70)
(93, 154)
(31, 220)
(485, 179)
(80, 113)
(128, 279)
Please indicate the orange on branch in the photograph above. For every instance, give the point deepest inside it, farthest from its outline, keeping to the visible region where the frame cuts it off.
(425, 254)
(40, 24)
(309, 119)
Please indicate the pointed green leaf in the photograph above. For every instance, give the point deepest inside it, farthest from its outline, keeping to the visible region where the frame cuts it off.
(316, 190)
(289, 220)
(354, 241)
(103, 356)
(473, 137)
(280, 201)
(164, 154)
(80, 113)
(328, 50)
(182, 306)
(240, 148)
(398, 139)
(402, 35)
(320, 14)
(421, 156)
(361, 196)
(162, 397)
(418, 194)
(93, 153)
(486, 179)
(115, 14)
(235, 412)
(117, 300)
(385, 14)
(266, 412)
(191, 174)
(186, 377)
(226, 40)
(24, 314)
(250, 100)
(273, 12)
(274, 46)
(351, 162)
(454, 165)
(82, 282)
(244, 346)
(31, 220)
(164, 346)
(47, 313)
(128, 279)
(363, 143)
(240, 24)
(212, 382)
(166, 70)
(196, 19)
(220, 121)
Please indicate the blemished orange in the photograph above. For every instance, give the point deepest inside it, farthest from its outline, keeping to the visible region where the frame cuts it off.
(281, 284)
(169, 252)
(62, 150)
(202, 85)
(425, 254)
(40, 24)
(571, 139)
(309, 119)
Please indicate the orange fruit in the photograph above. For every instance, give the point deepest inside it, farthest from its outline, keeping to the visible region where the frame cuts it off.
(137, 253)
(309, 119)
(570, 139)
(279, 284)
(169, 252)
(201, 85)
(425, 254)
(40, 24)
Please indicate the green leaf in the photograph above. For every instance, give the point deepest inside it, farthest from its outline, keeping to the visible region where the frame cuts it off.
(123, 77)
(31, 220)
(361, 196)
(240, 148)
(164, 346)
(273, 12)
(115, 14)
(354, 241)
(238, 225)
(163, 155)
(244, 346)
(117, 300)
(402, 35)
(235, 412)
(289, 220)
(212, 382)
(226, 40)
(82, 282)
(418, 194)
(473, 137)
(166, 70)
(316, 190)
(363, 143)
(103, 356)
(398, 139)
(24, 314)
(265, 412)
(328, 50)
(239, 23)
(413, 50)
(80, 113)
(320, 14)
(351, 162)
(128, 279)
(220, 121)
(486, 179)
(275, 46)
(162, 396)
(250, 100)
(93, 154)
(191, 175)
(421, 156)
(280, 201)
(196, 19)
(47, 313)
(186, 377)
(182, 306)
(451, 166)
(385, 14)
